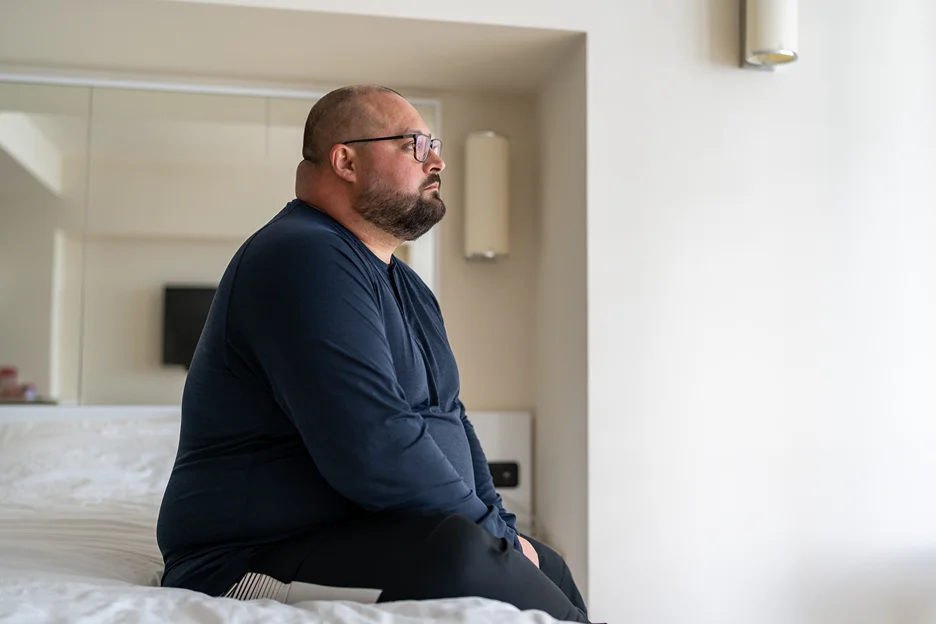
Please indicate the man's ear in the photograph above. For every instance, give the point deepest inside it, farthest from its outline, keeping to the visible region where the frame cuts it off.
(344, 162)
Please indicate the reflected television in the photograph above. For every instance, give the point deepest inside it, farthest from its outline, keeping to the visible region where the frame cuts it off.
(185, 309)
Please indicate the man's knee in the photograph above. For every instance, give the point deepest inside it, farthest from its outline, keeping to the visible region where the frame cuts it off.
(546, 554)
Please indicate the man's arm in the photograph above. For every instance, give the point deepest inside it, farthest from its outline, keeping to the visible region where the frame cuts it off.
(307, 319)
(484, 483)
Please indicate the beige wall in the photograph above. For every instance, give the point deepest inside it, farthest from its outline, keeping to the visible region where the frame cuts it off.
(122, 346)
(560, 440)
(178, 164)
(27, 262)
(26, 241)
(489, 306)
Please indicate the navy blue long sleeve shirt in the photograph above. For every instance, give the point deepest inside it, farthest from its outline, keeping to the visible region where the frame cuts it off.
(323, 388)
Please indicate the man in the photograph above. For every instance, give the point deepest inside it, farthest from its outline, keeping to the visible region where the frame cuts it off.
(323, 441)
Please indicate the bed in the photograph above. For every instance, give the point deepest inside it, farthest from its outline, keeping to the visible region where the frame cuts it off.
(78, 505)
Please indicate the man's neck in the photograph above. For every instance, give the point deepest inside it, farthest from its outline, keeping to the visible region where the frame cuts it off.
(379, 242)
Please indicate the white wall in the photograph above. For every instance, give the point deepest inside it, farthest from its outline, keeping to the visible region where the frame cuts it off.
(761, 351)
(561, 441)
(760, 296)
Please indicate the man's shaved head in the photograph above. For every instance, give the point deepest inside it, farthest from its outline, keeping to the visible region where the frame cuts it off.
(378, 183)
(341, 115)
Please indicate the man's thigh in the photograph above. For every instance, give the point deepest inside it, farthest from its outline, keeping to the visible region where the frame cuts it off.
(414, 556)
(370, 552)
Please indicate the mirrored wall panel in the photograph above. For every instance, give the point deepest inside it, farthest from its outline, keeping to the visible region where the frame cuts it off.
(119, 210)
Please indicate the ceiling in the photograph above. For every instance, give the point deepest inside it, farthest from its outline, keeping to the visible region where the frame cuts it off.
(151, 40)
(181, 39)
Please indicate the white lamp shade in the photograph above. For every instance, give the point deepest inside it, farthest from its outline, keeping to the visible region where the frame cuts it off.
(770, 32)
(487, 195)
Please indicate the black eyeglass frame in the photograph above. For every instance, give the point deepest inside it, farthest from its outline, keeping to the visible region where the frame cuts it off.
(435, 145)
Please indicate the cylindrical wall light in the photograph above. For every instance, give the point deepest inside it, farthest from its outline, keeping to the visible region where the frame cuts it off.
(768, 33)
(487, 195)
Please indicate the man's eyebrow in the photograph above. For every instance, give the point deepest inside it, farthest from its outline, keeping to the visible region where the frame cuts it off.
(414, 131)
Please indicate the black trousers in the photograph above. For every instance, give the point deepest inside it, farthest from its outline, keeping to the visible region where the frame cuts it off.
(423, 555)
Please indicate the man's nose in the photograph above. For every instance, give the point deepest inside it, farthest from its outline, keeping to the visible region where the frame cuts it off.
(434, 164)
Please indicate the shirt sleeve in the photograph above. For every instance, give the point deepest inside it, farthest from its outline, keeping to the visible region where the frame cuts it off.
(308, 319)
(484, 483)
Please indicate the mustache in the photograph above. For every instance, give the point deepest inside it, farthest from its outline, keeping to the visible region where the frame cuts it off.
(434, 178)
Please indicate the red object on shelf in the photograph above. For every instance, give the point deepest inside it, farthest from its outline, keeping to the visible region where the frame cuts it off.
(9, 381)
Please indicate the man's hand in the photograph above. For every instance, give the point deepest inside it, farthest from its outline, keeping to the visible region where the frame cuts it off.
(528, 550)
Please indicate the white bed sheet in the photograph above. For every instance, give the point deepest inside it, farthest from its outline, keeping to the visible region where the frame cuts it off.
(78, 507)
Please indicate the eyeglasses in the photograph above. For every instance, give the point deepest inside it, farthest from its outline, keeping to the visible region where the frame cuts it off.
(422, 144)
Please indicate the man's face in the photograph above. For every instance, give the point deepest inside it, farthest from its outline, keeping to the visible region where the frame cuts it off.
(399, 194)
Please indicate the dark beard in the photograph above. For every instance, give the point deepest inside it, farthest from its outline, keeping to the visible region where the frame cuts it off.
(404, 216)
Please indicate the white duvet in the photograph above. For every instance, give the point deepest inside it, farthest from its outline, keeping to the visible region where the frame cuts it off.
(78, 506)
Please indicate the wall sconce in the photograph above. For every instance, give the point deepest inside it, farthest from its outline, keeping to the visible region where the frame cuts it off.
(487, 195)
(768, 33)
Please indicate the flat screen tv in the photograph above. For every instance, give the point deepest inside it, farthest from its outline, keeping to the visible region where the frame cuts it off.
(185, 309)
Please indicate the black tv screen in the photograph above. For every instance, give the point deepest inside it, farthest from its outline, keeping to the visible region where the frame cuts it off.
(185, 309)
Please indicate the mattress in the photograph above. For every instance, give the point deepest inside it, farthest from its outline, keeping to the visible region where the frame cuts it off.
(78, 507)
